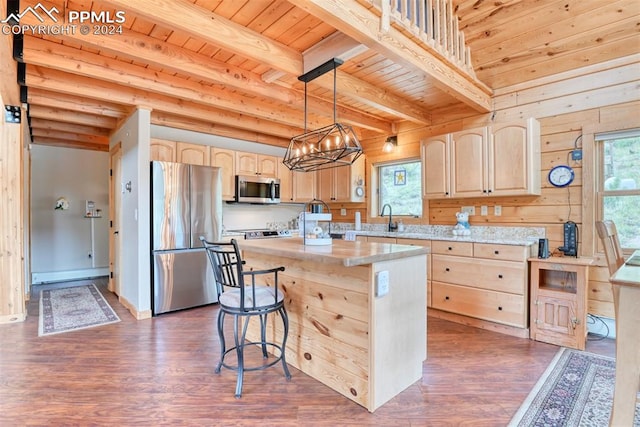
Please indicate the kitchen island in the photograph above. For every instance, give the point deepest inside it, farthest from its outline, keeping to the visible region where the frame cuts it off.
(344, 330)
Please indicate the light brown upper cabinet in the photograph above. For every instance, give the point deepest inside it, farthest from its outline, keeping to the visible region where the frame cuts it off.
(226, 160)
(296, 187)
(497, 160)
(514, 150)
(470, 163)
(162, 151)
(342, 184)
(193, 154)
(435, 167)
(256, 164)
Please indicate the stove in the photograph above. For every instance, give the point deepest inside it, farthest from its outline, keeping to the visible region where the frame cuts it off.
(266, 234)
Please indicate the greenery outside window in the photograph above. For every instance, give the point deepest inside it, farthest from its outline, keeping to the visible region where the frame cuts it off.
(400, 185)
(618, 190)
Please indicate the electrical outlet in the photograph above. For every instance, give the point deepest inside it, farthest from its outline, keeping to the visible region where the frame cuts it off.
(497, 210)
(484, 210)
(382, 283)
(471, 210)
(343, 212)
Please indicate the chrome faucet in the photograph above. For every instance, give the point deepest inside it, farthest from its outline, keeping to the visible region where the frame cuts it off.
(393, 226)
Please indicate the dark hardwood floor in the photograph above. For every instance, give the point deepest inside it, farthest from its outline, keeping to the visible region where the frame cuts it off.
(160, 372)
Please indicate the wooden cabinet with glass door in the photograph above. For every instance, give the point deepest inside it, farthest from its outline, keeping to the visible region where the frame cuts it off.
(559, 300)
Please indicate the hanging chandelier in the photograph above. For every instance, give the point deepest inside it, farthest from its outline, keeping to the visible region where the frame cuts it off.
(327, 147)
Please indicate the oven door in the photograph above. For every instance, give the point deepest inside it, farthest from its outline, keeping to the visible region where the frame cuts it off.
(256, 189)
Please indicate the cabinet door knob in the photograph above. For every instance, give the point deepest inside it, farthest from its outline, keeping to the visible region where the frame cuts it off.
(489, 191)
(446, 194)
(499, 276)
(446, 269)
(450, 248)
(496, 252)
(500, 308)
(447, 298)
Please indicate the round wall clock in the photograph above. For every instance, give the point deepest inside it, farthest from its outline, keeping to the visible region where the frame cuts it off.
(561, 175)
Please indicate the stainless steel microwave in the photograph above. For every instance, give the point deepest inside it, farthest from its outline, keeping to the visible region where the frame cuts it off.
(257, 189)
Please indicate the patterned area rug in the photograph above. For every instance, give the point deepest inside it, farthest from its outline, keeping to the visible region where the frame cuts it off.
(575, 390)
(70, 309)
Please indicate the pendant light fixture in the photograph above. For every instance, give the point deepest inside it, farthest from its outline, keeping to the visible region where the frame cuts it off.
(327, 147)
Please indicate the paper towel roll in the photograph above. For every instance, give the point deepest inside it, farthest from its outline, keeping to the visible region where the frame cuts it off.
(358, 223)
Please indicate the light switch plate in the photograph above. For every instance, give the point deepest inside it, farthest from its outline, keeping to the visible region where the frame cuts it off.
(382, 283)
(343, 212)
(483, 210)
(497, 210)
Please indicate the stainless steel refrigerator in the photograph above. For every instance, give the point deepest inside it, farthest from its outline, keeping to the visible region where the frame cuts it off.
(186, 202)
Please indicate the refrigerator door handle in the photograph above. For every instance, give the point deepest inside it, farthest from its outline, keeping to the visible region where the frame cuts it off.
(272, 190)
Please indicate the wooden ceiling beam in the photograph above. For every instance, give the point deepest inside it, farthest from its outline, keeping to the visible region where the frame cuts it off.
(363, 25)
(373, 96)
(68, 136)
(70, 144)
(53, 55)
(221, 32)
(58, 81)
(74, 61)
(203, 24)
(68, 127)
(161, 118)
(51, 113)
(75, 103)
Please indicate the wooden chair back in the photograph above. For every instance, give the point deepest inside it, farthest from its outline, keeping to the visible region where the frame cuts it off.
(612, 250)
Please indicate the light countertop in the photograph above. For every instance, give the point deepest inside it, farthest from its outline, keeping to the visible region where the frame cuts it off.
(347, 253)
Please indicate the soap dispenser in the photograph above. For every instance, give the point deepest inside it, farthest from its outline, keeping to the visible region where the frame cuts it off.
(400, 226)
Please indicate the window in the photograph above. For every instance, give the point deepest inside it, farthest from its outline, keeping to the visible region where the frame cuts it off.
(619, 183)
(399, 185)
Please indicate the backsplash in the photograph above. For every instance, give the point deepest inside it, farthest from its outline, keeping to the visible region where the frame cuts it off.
(273, 217)
(528, 233)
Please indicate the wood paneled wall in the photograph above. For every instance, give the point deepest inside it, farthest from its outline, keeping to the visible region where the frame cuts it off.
(12, 302)
(604, 95)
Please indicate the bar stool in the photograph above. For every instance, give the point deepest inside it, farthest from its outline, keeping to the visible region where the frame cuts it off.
(244, 301)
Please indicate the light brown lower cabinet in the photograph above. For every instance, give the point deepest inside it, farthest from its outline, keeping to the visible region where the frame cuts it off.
(480, 280)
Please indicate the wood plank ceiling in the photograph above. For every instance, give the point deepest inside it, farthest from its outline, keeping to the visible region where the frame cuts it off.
(230, 67)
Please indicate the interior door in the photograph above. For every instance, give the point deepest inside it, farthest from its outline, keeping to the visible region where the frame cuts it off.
(115, 203)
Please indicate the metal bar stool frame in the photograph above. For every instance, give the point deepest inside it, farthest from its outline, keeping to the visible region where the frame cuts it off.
(245, 301)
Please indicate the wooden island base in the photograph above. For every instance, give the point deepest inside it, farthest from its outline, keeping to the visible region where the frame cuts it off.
(367, 348)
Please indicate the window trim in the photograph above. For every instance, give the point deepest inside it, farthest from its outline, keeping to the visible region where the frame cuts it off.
(600, 192)
(590, 244)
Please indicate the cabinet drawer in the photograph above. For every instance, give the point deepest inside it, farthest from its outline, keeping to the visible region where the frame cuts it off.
(503, 276)
(448, 247)
(498, 307)
(503, 252)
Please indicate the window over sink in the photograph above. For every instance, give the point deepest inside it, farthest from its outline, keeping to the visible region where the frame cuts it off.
(400, 185)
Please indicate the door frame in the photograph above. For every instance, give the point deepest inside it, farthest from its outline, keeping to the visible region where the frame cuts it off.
(115, 208)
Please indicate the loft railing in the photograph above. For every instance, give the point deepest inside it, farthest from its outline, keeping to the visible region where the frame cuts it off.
(430, 21)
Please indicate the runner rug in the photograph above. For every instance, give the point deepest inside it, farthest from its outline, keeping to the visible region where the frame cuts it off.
(70, 309)
(575, 390)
